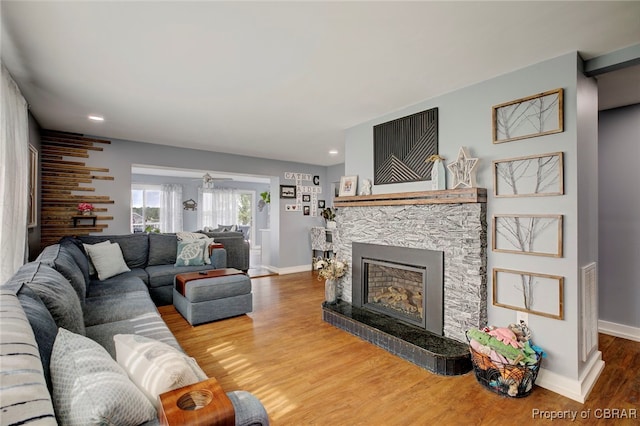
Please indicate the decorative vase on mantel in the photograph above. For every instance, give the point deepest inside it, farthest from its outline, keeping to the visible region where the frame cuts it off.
(330, 291)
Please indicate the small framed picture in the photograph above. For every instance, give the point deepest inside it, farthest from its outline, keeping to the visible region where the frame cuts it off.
(306, 198)
(287, 191)
(306, 210)
(348, 185)
(321, 204)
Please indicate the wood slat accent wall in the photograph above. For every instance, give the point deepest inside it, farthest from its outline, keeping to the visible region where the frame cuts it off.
(64, 180)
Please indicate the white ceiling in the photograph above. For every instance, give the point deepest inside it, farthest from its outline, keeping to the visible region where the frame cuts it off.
(280, 80)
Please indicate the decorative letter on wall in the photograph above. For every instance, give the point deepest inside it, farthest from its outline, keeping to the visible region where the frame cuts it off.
(401, 146)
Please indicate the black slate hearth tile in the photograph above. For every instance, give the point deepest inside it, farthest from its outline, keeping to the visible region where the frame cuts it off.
(435, 353)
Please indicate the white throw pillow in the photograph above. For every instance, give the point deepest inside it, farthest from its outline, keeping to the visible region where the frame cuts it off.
(154, 366)
(92, 269)
(89, 387)
(108, 260)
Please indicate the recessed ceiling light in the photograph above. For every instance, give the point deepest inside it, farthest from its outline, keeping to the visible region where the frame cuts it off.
(333, 152)
(96, 118)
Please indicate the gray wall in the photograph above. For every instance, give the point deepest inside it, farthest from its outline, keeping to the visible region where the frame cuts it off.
(290, 240)
(465, 120)
(619, 174)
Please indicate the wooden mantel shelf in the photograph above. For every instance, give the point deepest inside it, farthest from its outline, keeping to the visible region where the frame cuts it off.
(447, 196)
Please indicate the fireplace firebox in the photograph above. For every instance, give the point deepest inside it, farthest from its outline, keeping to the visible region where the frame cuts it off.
(401, 282)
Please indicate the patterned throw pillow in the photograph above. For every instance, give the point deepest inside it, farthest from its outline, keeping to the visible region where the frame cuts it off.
(191, 253)
(190, 236)
(154, 366)
(89, 387)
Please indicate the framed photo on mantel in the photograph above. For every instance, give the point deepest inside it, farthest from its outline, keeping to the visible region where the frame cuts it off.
(348, 185)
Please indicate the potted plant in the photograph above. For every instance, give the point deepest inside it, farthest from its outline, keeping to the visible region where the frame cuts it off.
(265, 199)
(85, 209)
(329, 215)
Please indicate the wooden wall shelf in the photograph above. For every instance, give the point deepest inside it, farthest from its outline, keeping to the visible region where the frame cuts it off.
(447, 196)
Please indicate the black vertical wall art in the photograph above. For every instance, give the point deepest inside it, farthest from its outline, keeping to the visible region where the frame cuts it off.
(402, 146)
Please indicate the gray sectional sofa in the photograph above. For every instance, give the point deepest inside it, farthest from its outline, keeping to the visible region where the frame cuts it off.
(55, 292)
(151, 257)
(238, 249)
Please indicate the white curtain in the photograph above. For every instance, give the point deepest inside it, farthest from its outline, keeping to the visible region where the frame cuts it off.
(218, 206)
(14, 177)
(171, 207)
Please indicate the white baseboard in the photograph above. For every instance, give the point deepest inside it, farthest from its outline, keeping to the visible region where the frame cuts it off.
(578, 390)
(290, 269)
(619, 330)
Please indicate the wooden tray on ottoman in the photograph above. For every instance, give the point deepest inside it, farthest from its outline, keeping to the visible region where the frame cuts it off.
(183, 279)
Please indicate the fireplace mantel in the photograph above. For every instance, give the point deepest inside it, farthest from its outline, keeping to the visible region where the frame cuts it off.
(447, 196)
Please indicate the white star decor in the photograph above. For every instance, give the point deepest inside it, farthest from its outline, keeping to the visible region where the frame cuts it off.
(463, 170)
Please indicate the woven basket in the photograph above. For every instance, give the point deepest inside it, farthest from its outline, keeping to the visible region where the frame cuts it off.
(515, 381)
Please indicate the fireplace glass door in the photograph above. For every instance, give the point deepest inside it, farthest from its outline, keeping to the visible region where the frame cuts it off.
(395, 289)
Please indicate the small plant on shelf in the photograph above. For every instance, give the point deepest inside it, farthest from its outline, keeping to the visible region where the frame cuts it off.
(85, 208)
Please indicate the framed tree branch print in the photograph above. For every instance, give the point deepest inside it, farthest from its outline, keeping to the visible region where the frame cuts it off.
(538, 294)
(538, 235)
(529, 117)
(531, 176)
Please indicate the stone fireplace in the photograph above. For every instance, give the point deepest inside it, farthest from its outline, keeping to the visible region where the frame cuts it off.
(450, 222)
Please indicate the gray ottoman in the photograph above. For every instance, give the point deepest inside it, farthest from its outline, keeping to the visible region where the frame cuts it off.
(220, 294)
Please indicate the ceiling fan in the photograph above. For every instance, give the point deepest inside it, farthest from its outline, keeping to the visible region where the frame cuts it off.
(208, 180)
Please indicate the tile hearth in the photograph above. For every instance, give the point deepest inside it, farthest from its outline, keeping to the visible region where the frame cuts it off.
(438, 354)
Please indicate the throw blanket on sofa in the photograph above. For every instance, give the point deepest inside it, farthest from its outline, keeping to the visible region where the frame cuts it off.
(184, 236)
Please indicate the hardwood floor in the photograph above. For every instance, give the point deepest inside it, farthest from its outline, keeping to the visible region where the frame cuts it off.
(307, 372)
